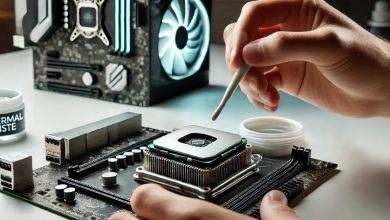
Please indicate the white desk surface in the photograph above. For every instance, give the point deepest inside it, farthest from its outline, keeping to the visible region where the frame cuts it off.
(361, 147)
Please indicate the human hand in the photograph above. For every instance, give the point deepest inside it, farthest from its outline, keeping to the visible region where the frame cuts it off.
(309, 50)
(152, 202)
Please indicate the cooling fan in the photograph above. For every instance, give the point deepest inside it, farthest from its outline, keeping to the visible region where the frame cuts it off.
(184, 38)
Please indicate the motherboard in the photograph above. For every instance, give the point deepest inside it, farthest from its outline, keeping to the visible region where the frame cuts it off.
(102, 180)
(136, 52)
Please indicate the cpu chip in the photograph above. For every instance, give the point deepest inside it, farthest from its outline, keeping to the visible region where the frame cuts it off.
(198, 142)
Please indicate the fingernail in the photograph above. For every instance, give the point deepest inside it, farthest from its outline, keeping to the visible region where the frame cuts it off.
(278, 197)
(266, 98)
(232, 54)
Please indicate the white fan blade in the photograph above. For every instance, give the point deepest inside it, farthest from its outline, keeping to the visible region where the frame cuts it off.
(190, 54)
(167, 60)
(194, 20)
(187, 13)
(164, 44)
(170, 19)
(195, 33)
(180, 66)
(166, 31)
(194, 43)
(177, 9)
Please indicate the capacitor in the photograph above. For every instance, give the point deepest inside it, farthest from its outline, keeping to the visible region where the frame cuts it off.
(137, 155)
(143, 149)
(60, 191)
(129, 157)
(112, 164)
(122, 163)
(109, 179)
(88, 79)
(70, 195)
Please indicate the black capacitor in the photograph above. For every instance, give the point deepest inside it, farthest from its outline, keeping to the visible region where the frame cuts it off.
(137, 155)
(112, 164)
(143, 149)
(59, 189)
(122, 163)
(129, 157)
(70, 195)
(109, 179)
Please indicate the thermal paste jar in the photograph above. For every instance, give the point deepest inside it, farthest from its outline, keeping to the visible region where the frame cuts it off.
(273, 136)
(12, 123)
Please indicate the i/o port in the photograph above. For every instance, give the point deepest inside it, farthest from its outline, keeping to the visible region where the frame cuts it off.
(5, 166)
(6, 178)
(5, 184)
(52, 141)
(53, 159)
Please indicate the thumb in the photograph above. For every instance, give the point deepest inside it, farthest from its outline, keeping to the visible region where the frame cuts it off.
(315, 46)
(274, 207)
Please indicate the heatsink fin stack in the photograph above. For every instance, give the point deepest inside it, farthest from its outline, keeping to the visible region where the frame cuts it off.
(207, 177)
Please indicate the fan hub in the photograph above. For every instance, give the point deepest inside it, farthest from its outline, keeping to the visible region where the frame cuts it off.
(181, 37)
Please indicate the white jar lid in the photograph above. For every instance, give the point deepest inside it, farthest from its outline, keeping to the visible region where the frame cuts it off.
(10, 100)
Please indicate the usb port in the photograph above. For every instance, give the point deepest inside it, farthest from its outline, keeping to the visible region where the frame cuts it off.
(5, 184)
(6, 178)
(52, 141)
(5, 166)
(53, 159)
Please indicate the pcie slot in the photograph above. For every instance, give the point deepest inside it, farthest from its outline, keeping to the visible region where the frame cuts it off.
(96, 192)
(57, 64)
(78, 90)
(248, 197)
(80, 171)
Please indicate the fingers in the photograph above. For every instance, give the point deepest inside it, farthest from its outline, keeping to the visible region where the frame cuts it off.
(260, 105)
(122, 216)
(274, 207)
(260, 90)
(261, 32)
(227, 39)
(152, 202)
(318, 46)
(227, 33)
(259, 14)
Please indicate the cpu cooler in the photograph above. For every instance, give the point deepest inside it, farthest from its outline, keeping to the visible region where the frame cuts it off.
(126, 51)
